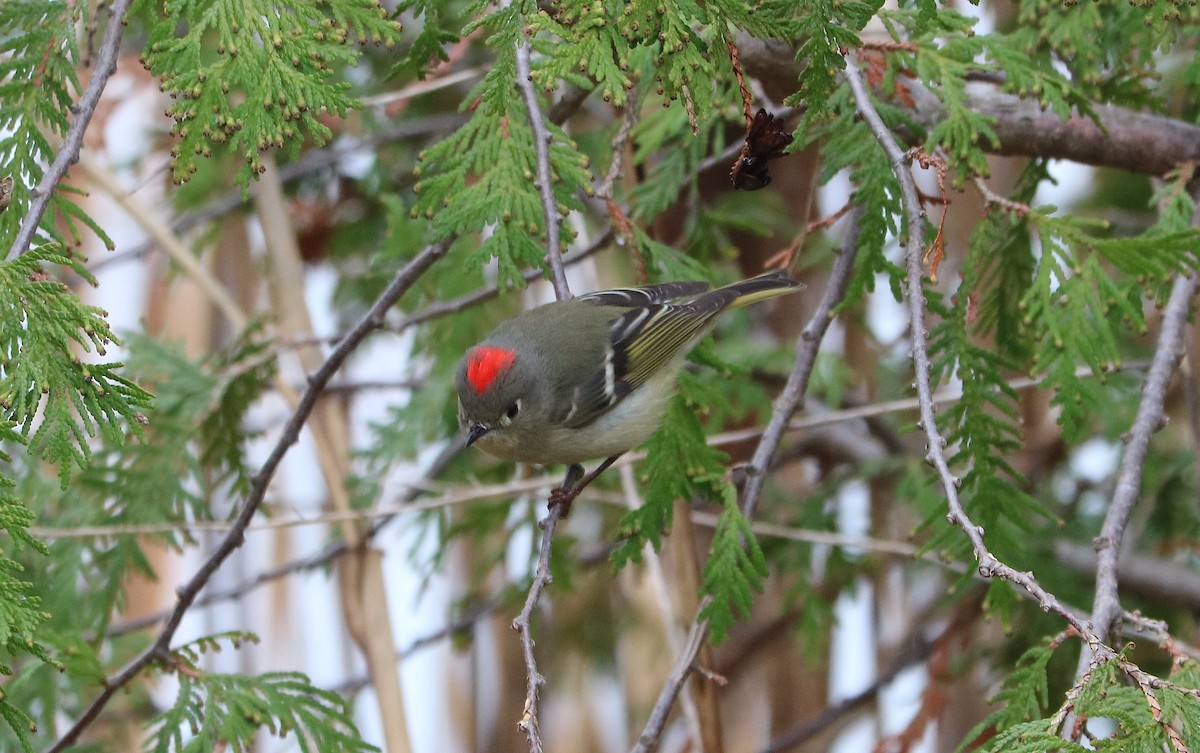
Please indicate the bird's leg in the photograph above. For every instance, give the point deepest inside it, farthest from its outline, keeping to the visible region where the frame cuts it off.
(575, 482)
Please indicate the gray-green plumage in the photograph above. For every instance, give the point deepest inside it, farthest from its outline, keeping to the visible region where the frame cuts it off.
(589, 377)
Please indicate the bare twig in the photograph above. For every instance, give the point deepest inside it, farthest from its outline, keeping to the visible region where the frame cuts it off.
(106, 65)
(685, 663)
(1106, 607)
(747, 98)
(619, 143)
(463, 302)
(785, 405)
(991, 198)
(831, 715)
(541, 145)
(541, 578)
(792, 397)
(988, 565)
(187, 594)
(425, 86)
(456, 305)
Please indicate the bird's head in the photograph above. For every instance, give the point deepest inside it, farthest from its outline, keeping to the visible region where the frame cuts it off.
(494, 406)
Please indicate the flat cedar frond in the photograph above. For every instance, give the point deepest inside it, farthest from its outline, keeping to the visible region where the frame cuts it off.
(735, 570)
(39, 56)
(680, 464)
(21, 617)
(1076, 306)
(249, 75)
(482, 175)
(586, 48)
(1022, 700)
(57, 401)
(195, 434)
(214, 710)
(429, 47)
(825, 28)
(847, 145)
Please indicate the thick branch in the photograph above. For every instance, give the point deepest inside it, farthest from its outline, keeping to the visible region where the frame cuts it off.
(106, 64)
(187, 594)
(1126, 139)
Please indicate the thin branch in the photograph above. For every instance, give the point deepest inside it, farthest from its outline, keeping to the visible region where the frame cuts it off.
(541, 144)
(533, 681)
(988, 565)
(685, 663)
(1106, 607)
(106, 65)
(455, 305)
(1146, 577)
(463, 302)
(450, 497)
(387, 513)
(785, 405)
(617, 147)
(792, 397)
(423, 87)
(596, 556)
(991, 198)
(187, 594)
(831, 715)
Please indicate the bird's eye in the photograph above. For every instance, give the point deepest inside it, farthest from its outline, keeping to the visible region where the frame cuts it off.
(513, 410)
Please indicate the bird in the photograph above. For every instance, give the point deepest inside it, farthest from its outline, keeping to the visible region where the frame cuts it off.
(590, 377)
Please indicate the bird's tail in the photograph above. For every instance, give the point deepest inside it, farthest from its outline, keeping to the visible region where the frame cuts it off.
(762, 287)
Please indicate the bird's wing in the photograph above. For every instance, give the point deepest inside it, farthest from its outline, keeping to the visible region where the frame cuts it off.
(628, 298)
(641, 341)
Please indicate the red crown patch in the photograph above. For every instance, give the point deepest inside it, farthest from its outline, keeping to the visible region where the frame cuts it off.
(485, 364)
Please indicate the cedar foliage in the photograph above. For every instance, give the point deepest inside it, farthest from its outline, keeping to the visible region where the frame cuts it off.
(1063, 298)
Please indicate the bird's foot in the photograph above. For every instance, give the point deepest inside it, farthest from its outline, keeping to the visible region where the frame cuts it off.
(562, 497)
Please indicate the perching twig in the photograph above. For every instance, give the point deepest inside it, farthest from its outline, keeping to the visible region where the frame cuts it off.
(106, 64)
(326, 554)
(186, 594)
(541, 145)
(541, 578)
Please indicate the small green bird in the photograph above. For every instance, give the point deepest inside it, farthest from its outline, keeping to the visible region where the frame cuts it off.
(590, 377)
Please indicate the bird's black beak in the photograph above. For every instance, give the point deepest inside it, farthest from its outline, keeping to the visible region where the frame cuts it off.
(474, 432)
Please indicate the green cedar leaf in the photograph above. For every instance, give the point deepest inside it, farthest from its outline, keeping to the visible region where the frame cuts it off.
(58, 402)
(735, 570)
(248, 75)
(680, 464)
(215, 710)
